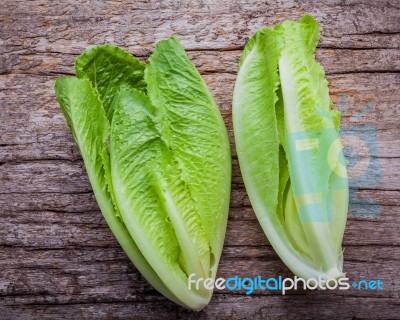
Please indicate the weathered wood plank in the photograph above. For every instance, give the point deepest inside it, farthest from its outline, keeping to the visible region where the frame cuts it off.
(221, 307)
(43, 122)
(240, 232)
(84, 202)
(100, 274)
(207, 61)
(66, 176)
(200, 24)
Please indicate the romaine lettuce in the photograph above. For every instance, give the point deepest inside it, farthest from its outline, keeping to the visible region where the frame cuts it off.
(158, 157)
(289, 151)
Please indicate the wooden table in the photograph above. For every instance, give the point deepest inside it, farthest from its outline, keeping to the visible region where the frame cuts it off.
(57, 256)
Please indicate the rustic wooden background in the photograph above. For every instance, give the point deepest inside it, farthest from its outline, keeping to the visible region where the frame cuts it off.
(58, 258)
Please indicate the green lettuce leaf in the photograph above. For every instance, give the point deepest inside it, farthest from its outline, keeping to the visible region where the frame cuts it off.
(192, 127)
(170, 162)
(91, 129)
(289, 150)
(108, 67)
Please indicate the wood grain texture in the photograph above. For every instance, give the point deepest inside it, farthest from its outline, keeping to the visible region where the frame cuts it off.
(58, 258)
